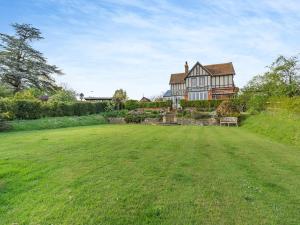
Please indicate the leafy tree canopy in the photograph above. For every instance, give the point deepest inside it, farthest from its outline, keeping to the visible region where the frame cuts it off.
(119, 97)
(282, 79)
(64, 95)
(21, 66)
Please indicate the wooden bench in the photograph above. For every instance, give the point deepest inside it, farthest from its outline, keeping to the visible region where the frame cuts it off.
(229, 120)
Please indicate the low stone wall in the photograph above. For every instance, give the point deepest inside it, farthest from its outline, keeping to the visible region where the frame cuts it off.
(166, 109)
(181, 121)
(116, 120)
(204, 122)
(151, 121)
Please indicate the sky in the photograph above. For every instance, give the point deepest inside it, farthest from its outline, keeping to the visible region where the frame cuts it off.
(104, 45)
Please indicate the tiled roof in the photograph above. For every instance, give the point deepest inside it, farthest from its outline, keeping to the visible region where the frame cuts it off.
(177, 78)
(214, 69)
(220, 69)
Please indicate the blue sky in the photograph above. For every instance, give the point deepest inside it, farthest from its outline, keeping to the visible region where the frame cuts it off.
(102, 45)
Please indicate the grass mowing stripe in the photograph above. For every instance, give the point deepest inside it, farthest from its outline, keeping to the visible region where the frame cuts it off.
(134, 174)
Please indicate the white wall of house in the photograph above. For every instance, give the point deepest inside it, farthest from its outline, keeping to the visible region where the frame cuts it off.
(178, 89)
(222, 81)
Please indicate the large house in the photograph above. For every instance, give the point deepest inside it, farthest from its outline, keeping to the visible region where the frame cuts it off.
(202, 82)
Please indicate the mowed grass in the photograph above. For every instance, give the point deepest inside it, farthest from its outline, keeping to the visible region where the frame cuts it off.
(131, 174)
(57, 122)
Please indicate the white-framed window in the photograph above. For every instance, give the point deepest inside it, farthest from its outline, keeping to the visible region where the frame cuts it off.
(202, 80)
(194, 82)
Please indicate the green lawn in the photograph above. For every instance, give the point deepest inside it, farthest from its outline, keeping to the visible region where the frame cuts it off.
(131, 174)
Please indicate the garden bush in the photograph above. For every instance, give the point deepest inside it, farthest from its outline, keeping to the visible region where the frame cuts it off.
(257, 103)
(131, 104)
(34, 109)
(227, 108)
(134, 117)
(163, 104)
(201, 105)
(28, 109)
(7, 108)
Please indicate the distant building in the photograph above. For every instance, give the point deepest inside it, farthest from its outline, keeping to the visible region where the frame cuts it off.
(202, 83)
(168, 95)
(144, 99)
(98, 99)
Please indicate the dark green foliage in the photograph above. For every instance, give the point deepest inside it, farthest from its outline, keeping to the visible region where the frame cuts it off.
(131, 104)
(134, 104)
(34, 109)
(21, 66)
(201, 105)
(163, 104)
(227, 108)
(115, 113)
(134, 117)
(28, 109)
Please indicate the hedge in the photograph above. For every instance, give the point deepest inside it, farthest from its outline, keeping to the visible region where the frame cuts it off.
(203, 105)
(134, 104)
(34, 109)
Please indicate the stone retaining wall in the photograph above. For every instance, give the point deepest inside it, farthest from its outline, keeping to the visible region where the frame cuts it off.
(151, 121)
(204, 122)
(181, 121)
(116, 120)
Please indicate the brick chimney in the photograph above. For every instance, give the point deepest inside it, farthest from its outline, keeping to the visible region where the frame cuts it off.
(186, 68)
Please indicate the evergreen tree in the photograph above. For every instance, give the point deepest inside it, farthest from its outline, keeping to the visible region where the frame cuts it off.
(21, 66)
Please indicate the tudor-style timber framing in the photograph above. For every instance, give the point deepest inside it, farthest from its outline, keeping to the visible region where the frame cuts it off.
(214, 81)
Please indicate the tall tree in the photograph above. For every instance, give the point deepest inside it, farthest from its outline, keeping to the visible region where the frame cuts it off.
(282, 79)
(120, 96)
(21, 66)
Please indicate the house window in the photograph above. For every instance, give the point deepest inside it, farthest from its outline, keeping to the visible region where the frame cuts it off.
(194, 82)
(201, 81)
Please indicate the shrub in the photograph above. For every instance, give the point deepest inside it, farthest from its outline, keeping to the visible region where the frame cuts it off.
(134, 117)
(201, 105)
(227, 108)
(163, 104)
(28, 109)
(257, 103)
(131, 104)
(7, 108)
(116, 113)
(34, 109)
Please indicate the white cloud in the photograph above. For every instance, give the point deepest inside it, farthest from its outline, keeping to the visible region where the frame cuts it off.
(104, 45)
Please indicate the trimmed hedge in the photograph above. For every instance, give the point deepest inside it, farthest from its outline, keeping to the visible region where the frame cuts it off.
(202, 105)
(34, 109)
(134, 104)
(131, 104)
